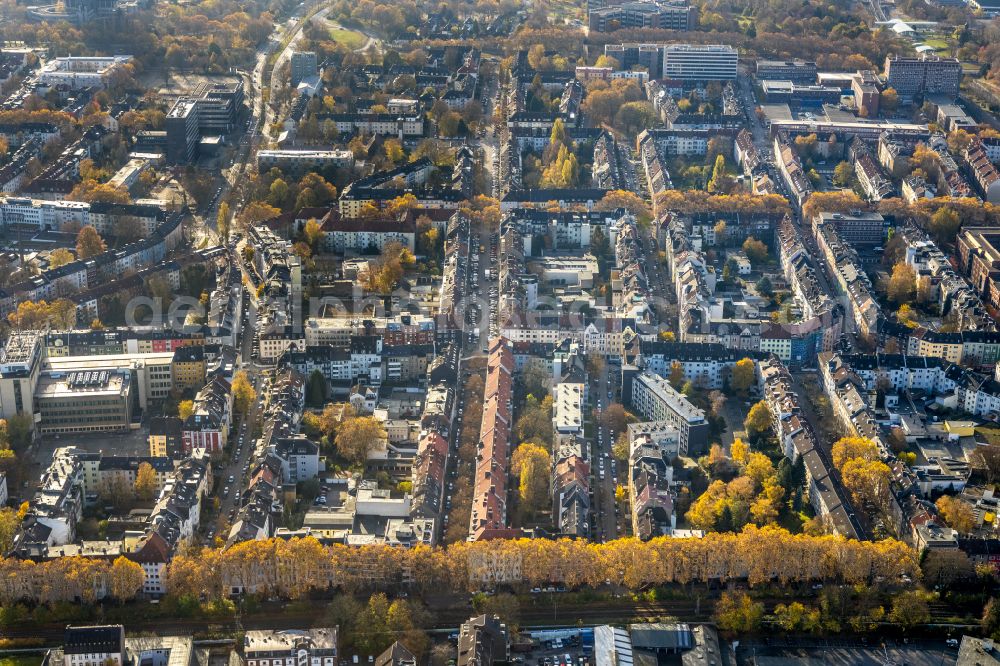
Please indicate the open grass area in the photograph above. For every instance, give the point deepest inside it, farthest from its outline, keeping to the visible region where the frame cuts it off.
(937, 43)
(352, 39)
(990, 433)
(21, 660)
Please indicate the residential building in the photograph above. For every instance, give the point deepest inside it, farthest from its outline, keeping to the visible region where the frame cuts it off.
(655, 399)
(299, 161)
(80, 72)
(304, 65)
(98, 645)
(290, 647)
(483, 641)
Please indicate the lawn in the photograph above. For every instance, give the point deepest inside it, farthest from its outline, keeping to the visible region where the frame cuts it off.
(352, 39)
(990, 433)
(937, 43)
(21, 660)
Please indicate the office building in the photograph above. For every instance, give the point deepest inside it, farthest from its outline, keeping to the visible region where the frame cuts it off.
(213, 108)
(304, 65)
(692, 62)
(87, 401)
(923, 75)
(799, 72)
(628, 56)
(182, 131)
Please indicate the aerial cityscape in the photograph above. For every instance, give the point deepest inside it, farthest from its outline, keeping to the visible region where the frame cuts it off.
(462, 333)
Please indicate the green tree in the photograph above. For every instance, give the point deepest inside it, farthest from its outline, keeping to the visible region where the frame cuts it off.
(316, 389)
(720, 182)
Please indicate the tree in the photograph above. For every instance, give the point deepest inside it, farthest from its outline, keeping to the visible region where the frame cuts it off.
(958, 141)
(243, 393)
(126, 579)
(744, 375)
(357, 437)
(145, 482)
(758, 419)
(222, 221)
(902, 285)
(843, 174)
(60, 257)
(889, 100)
(676, 377)
(720, 182)
(944, 225)
(9, 522)
(755, 250)
(316, 389)
(89, 243)
(620, 449)
(736, 612)
(313, 233)
(531, 463)
(184, 409)
(990, 621)
(764, 287)
(257, 212)
(909, 609)
(850, 448)
(905, 315)
(956, 513)
(739, 451)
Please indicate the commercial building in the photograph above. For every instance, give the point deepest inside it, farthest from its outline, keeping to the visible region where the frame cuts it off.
(86, 401)
(655, 399)
(923, 75)
(692, 62)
